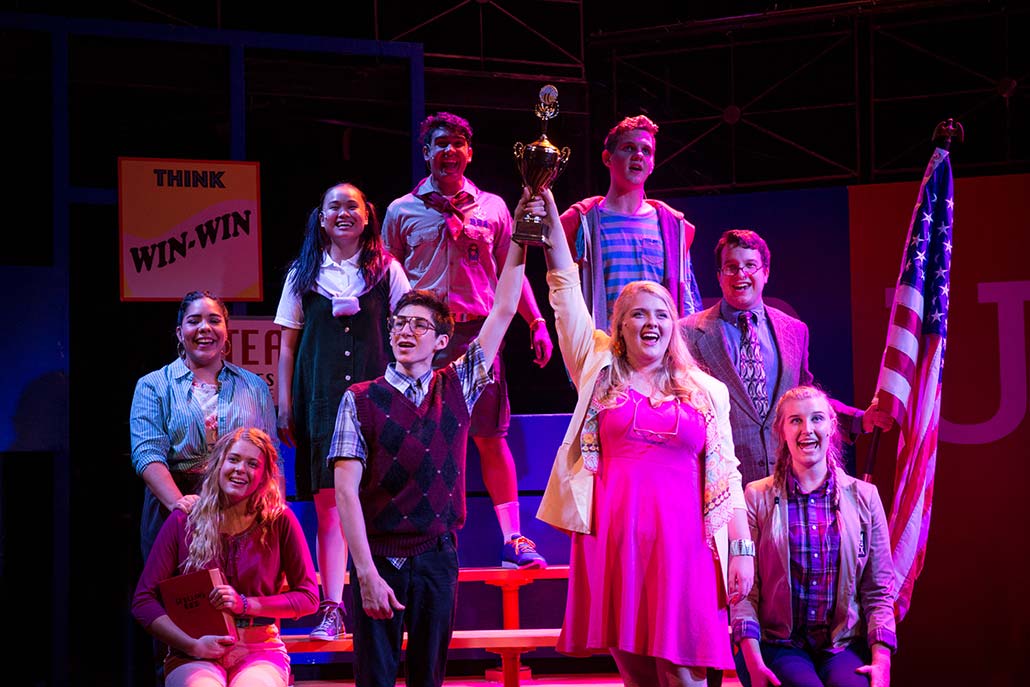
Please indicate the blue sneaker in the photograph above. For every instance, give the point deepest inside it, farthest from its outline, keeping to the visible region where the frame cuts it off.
(520, 552)
(331, 626)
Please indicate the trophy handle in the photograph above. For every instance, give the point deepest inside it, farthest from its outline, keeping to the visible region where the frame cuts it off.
(563, 160)
(518, 149)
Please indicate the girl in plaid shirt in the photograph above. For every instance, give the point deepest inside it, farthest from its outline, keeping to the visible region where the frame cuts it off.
(821, 610)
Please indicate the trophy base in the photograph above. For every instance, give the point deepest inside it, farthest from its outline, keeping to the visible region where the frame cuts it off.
(531, 233)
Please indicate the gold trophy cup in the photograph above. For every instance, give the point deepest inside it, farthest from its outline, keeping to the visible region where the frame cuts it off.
(539, 163)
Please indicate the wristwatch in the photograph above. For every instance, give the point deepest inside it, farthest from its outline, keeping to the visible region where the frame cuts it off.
(742, 547)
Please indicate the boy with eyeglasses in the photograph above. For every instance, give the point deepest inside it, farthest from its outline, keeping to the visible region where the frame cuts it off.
(624, 236)
(398, 456)
(758, 352)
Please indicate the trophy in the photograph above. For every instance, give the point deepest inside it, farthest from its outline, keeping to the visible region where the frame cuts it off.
(539, 163)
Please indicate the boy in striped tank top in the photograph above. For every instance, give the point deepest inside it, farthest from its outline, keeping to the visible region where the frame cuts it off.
(625, 236)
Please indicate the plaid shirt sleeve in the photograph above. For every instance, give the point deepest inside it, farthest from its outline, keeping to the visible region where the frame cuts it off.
(745, 629)
(883, 636)
(348, 443)
(473, 372)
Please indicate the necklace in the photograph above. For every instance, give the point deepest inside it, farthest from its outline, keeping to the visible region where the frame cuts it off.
(652, 436)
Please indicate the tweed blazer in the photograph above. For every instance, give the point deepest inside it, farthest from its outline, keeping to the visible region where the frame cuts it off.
(752, 434)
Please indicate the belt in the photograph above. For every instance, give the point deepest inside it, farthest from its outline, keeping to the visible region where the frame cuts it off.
(467, 317)
(248, 621)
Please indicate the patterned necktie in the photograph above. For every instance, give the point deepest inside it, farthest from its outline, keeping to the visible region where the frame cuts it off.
(750, 364)
(452, 209)
(411, 393)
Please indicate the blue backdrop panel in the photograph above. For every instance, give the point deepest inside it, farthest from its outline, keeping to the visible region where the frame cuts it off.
(479, 542)
(807, 233)
(289, 456)
(534, 441)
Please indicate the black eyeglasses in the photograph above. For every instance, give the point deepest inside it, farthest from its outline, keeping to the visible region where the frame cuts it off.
(747, 269)
(419, 325)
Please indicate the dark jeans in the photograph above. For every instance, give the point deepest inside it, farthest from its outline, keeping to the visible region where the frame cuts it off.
(427, 586)
(804, 668)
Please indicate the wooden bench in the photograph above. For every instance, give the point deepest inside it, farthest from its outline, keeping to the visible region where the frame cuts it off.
(509, 643)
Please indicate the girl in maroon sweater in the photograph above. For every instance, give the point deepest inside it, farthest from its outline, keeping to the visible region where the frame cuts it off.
(241, 525)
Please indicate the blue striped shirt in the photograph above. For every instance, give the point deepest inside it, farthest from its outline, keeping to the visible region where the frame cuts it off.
(167, 426)
(632, 249)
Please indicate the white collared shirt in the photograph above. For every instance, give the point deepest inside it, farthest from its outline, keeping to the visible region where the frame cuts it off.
(335, 279)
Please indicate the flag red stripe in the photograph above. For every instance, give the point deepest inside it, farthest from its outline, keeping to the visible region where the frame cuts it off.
(907, 318)
(900, 363)
(890, 403)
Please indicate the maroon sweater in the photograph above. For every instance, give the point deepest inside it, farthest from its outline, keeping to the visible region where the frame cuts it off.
(413, 489)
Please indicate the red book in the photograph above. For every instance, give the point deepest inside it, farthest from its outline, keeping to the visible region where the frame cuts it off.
(185, 598)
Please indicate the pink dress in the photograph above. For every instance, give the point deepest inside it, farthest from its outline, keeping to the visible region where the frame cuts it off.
(646, 581)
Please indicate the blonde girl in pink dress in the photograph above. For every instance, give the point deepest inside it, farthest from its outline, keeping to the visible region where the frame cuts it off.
(647, 484)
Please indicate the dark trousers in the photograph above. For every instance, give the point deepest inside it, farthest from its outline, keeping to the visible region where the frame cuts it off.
(805, 668)
(427, 586)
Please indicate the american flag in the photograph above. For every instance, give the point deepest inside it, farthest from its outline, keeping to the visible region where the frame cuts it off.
(909, 384)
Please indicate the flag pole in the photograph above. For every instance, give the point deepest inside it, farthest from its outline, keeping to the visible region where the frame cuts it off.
(942, 135)
(870, 460)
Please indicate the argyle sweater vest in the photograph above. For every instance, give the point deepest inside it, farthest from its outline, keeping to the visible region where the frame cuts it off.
(413, 488)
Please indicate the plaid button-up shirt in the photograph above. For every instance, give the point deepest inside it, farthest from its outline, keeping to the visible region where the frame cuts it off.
(814, 544)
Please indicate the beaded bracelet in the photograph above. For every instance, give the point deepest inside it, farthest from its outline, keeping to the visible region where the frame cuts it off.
(245, 604)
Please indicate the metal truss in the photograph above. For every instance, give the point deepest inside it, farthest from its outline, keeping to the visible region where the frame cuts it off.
(514, 38)
(842, 93)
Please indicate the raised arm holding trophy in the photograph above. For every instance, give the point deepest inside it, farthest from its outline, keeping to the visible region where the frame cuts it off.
(539, 164)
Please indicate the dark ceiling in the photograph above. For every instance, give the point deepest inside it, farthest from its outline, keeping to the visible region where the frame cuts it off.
(749, 94)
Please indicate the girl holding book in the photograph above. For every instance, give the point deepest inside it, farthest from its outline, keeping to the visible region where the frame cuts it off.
(240, 525)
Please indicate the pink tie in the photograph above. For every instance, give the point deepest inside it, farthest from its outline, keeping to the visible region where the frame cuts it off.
(453, 211)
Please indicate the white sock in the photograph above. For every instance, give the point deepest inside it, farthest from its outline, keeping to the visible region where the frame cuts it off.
(508, 518)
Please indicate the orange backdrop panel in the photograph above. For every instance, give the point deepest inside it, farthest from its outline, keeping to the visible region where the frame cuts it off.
(967, 622)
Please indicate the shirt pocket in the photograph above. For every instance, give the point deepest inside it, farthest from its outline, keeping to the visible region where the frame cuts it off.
(424, 234)
(651, 252)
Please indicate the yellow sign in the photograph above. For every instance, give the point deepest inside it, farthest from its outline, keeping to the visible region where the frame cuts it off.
(189, 225)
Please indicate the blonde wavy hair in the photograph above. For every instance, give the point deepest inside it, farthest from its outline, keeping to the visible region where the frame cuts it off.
(673, 378)
(833, 451)
(203, 526)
